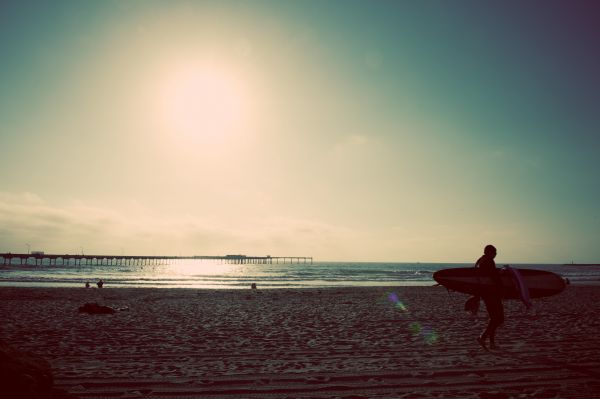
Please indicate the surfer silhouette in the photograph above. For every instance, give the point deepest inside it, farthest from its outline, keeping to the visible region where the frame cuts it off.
(491, 298)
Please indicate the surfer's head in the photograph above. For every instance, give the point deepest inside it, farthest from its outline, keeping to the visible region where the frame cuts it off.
(490, 250)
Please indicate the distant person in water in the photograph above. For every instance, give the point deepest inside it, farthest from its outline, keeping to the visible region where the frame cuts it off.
(87, 284)
(100, 283)
(491, 298)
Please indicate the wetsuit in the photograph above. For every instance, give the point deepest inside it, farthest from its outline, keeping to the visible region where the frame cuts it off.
(491, 298)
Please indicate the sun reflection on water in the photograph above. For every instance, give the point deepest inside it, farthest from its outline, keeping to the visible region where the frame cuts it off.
(194, 267)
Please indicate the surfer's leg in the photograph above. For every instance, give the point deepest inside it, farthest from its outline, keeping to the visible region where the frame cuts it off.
(490, 311)
(487, 333)
(481, 340)
(496, 312)
(493, 305)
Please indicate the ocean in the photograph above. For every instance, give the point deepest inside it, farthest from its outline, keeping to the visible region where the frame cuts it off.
(221, 275)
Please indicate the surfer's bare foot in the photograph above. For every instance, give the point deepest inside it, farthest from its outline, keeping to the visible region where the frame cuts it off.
(481, 341)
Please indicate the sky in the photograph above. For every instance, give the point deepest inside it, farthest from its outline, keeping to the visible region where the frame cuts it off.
(400, 131)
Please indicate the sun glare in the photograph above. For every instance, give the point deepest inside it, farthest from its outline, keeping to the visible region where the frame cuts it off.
(191, 267)
(203, 101)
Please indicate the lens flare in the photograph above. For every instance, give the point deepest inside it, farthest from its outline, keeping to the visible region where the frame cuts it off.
(398, 304)
(429, 336)
(418, 331)
(414, 328)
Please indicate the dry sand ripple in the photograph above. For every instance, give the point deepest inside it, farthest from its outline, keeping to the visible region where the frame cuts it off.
(320, 343)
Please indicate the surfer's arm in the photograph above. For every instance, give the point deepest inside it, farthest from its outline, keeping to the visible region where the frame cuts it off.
(495, 273)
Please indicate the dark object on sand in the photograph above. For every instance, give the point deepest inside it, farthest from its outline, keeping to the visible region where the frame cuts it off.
(26, 376)
(472, 304)
(94, 308)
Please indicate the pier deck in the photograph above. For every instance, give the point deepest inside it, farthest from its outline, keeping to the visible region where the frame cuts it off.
(69, 259)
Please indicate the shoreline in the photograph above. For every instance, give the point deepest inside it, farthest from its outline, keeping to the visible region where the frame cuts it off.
(245, 286)
(359, 342)
(240, 287)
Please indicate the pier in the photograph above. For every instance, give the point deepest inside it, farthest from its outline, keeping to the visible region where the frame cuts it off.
(78, 260)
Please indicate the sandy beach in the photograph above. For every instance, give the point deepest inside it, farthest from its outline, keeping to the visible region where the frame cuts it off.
(396, 342)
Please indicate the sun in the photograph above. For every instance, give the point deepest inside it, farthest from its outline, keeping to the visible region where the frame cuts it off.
(203, 101)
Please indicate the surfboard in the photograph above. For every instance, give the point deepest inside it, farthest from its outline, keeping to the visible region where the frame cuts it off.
(471, 280)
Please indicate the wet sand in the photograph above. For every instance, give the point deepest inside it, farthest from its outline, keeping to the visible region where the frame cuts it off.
(319, 343)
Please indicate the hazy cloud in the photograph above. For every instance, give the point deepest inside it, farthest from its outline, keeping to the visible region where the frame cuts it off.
(26, 218)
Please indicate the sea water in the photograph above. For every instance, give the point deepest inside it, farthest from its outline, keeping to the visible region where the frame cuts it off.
(220, 275)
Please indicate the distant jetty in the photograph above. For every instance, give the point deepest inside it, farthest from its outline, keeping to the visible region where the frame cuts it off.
(67, 259)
